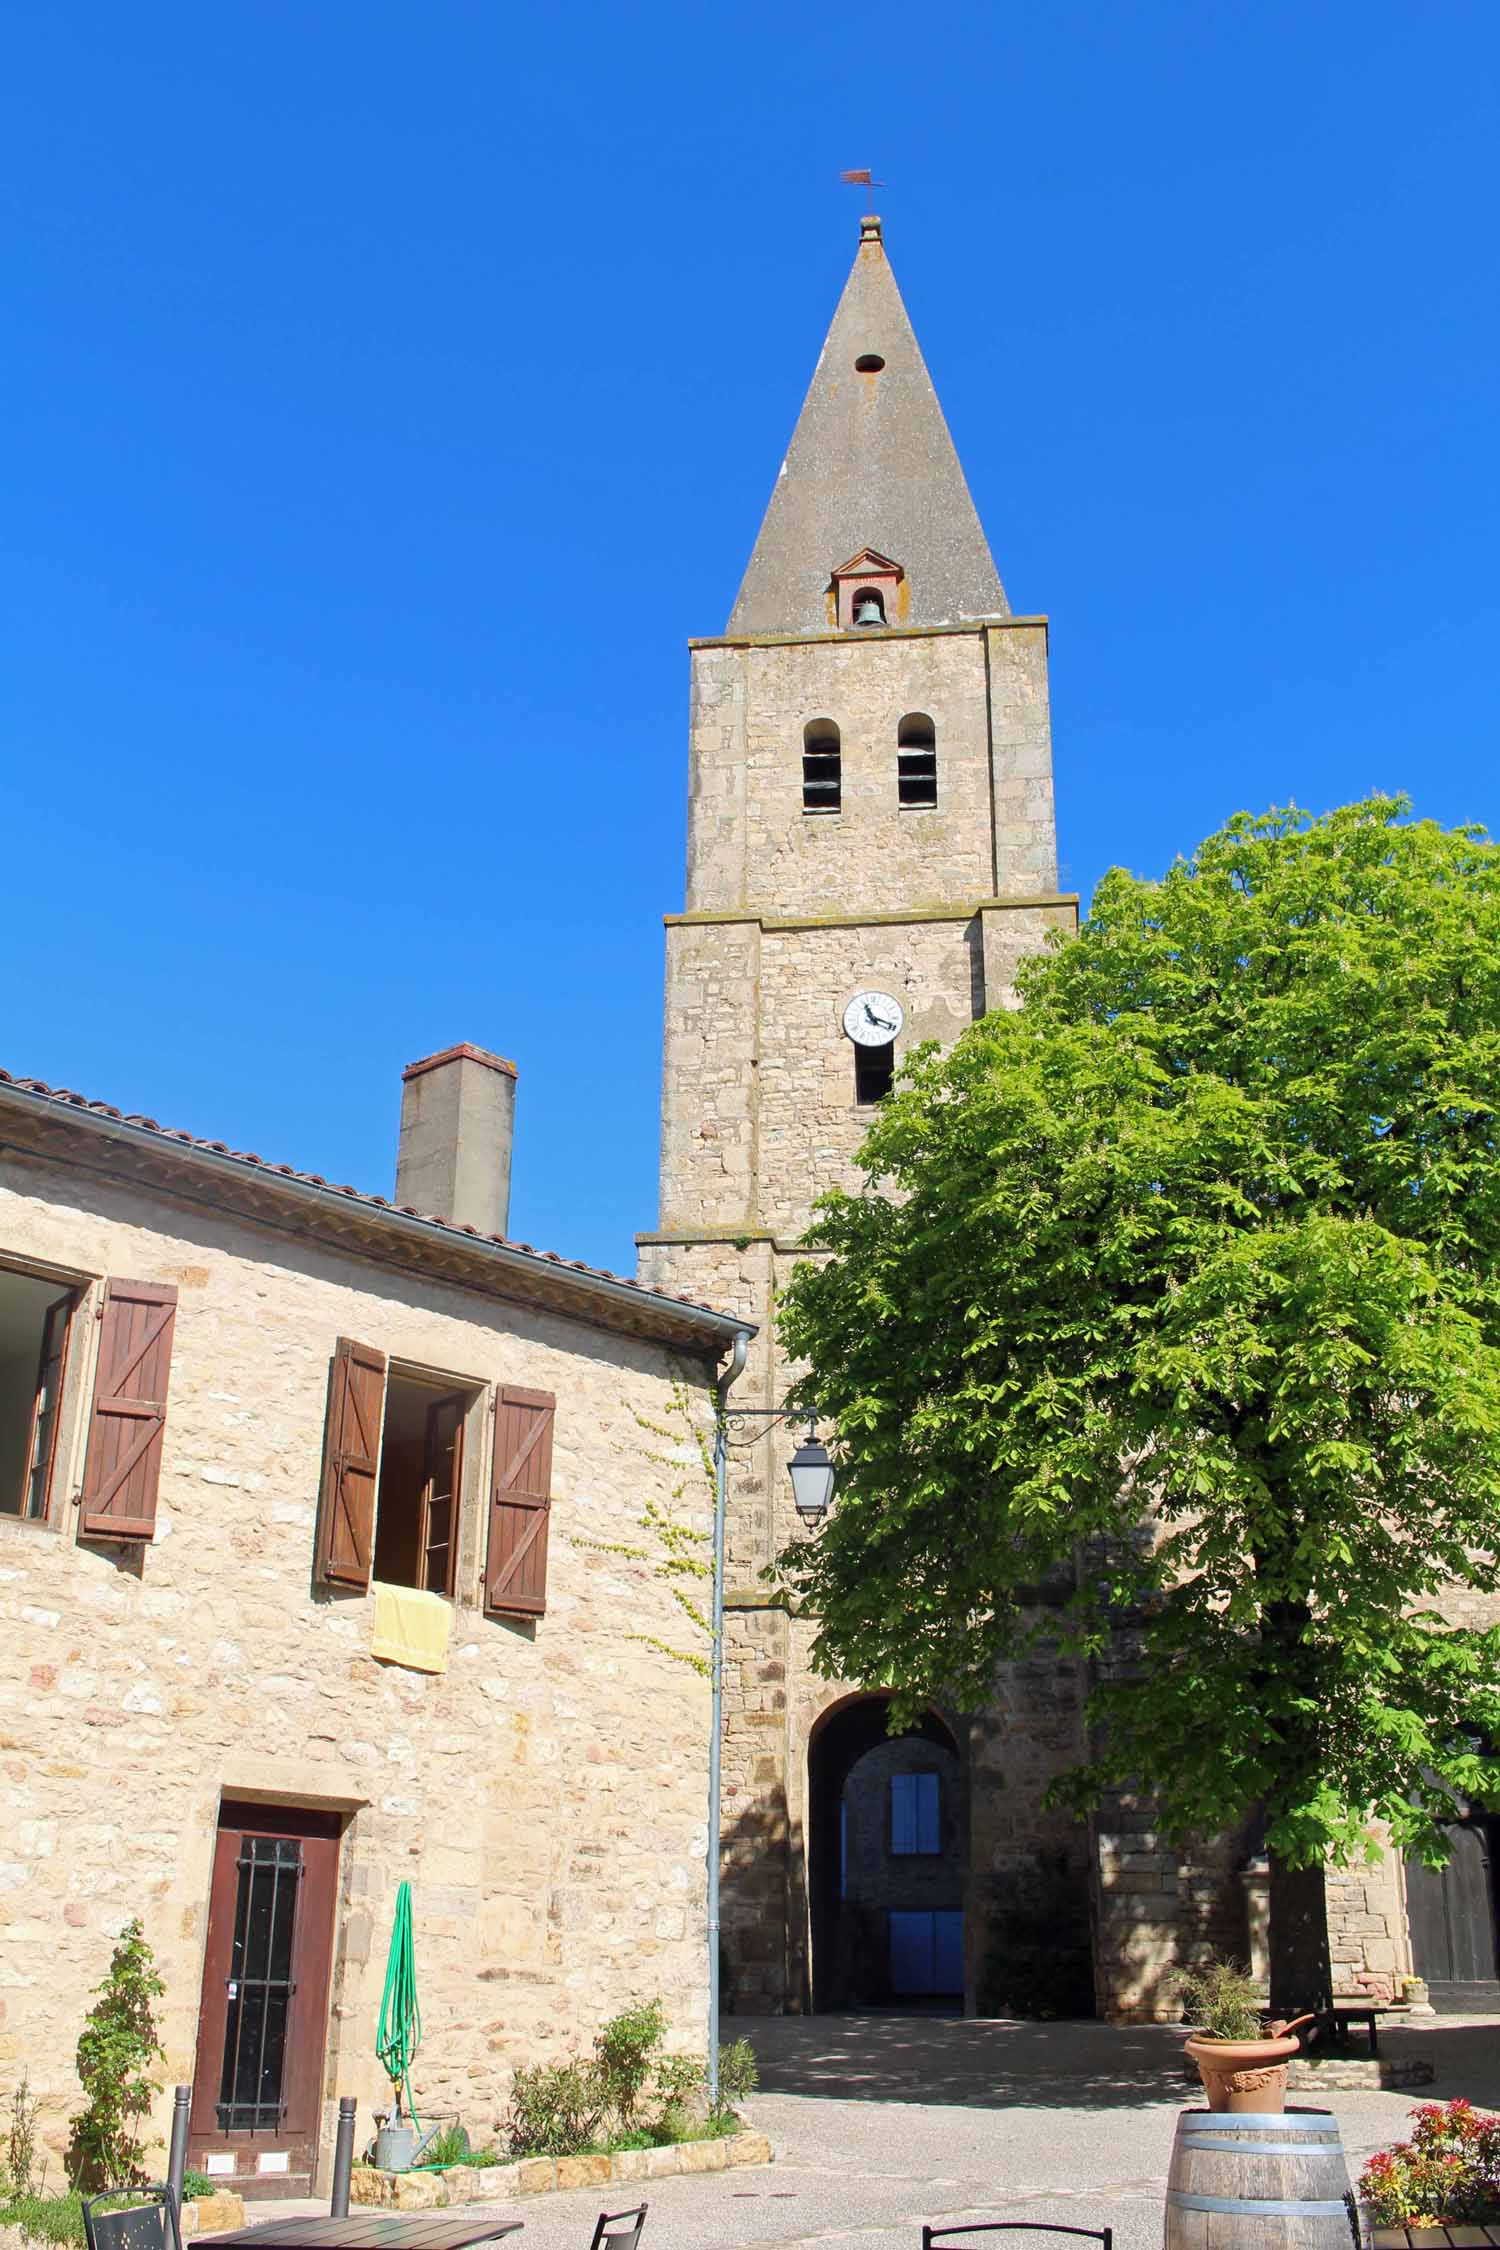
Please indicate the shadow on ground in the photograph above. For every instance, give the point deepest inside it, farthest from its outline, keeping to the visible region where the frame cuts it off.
(1002, 2064)
(988, 2064)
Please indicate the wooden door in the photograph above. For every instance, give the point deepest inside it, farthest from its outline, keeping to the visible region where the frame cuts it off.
(263, 2021)
(1451, 1911)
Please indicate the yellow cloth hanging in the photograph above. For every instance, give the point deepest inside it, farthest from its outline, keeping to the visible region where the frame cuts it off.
(412, 1628)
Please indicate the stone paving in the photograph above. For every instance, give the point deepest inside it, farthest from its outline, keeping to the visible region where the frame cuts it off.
(882, 2122)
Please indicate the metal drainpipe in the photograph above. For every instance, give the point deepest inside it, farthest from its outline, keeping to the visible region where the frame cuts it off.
(731, 1375)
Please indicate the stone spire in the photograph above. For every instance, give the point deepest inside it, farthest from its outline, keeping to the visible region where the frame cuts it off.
(870, 465)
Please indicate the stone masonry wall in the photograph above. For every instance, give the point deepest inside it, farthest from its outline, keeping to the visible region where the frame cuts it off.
(991, 832)
(545, 1795)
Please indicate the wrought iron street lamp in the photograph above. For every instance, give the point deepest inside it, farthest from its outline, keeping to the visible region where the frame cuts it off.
(812, 1478)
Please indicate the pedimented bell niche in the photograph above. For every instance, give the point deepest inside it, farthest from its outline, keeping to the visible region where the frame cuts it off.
(868, 590)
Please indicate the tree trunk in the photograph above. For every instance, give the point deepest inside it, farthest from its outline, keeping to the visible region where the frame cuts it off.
(1301, 1972)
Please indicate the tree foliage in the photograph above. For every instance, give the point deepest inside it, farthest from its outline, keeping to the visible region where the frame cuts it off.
(1173, 1296)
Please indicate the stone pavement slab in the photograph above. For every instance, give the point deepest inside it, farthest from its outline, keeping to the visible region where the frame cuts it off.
(883, 2122)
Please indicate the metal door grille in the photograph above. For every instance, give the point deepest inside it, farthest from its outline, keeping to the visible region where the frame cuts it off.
(260, 1985)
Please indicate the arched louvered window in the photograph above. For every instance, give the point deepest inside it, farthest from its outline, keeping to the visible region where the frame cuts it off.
(822, 779)
(916, 760)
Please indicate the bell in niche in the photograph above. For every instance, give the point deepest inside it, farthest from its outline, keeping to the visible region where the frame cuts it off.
(869, 609)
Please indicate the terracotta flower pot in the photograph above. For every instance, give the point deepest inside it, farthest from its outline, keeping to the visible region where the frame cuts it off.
(1243, 2074)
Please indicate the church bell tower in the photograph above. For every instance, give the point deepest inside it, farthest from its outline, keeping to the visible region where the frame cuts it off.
(871, 850)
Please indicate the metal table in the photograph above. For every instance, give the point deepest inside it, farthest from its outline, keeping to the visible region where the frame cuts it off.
(372, 2230)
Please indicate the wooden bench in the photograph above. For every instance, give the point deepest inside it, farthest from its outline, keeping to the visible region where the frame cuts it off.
(1331, 2025)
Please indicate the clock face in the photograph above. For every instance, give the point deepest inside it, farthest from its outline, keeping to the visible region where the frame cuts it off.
(873, 1019)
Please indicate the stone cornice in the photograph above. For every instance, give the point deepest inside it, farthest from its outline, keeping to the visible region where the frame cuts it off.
(50, 1130)
(863, 633)
(964, 912)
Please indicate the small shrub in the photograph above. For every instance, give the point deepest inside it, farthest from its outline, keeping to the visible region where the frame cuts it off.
(739, 2073)
(21, 2176)
(196, 2184)
(1219, 2000)
(45, 2218)
(676, 2085)
(118, 2043)
(556, 2109)
(1447, 2174)
(624, 2054)
(450, 2146)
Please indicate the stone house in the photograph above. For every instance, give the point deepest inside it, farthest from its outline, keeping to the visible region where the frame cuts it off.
(324, 1564)
(871, 852)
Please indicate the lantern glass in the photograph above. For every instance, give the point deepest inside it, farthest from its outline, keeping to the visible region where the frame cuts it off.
(812, 1479)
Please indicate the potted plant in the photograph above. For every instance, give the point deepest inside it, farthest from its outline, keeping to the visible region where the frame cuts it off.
(1242, 2067)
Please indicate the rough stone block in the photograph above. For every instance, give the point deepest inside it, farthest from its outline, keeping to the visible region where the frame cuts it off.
(702, 2156)
(582, 2171)
(630, 2164)
(495, 2183)
(366, 2185)
(748, 2148)
(211, 2214)
(536, 2175)
(418, 2191)
(661, 2163)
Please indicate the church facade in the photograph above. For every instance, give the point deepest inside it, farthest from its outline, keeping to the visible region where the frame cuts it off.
(871, 852)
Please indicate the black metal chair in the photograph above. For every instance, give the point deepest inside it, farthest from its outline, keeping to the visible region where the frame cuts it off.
(149, 2223)
(930, 2235)
(619, 2230)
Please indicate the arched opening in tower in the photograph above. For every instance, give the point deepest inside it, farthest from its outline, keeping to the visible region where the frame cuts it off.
(887, 1852)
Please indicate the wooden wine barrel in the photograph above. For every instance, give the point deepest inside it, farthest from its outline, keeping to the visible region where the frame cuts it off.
(1258, 2182)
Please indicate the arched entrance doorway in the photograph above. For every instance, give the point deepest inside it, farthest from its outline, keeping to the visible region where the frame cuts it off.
(887, 1853)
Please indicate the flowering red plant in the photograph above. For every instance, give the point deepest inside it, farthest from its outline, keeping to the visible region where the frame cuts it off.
(1447, 2173)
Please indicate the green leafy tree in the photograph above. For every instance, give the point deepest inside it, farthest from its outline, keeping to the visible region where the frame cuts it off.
(1168, 1326)
(116, 2049)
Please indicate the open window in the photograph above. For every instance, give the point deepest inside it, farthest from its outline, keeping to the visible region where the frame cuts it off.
(916, 760)
(35, 1318)
(421, 1478)
(822, 775)
(392, 1474)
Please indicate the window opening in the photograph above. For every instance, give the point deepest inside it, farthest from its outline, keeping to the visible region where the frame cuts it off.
(874, 1071)
(421, 1473)
(822, 776)
(869, 606)
(916, 760)
(35, 1317)
(915, 1815)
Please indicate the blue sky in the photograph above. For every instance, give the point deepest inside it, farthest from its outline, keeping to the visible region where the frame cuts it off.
(389, 392)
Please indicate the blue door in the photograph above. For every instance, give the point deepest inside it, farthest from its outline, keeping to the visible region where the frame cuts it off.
(927, 1952)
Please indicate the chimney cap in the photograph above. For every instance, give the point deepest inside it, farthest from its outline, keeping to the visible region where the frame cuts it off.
(463, 1052)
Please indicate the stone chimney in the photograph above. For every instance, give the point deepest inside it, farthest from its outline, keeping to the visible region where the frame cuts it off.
(458, 1114)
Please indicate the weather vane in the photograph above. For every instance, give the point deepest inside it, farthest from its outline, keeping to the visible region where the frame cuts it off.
(866, 180)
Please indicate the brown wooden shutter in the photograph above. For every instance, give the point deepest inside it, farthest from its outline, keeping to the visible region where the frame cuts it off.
(351, 1457)
(123, 1463)
(515, 1578)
